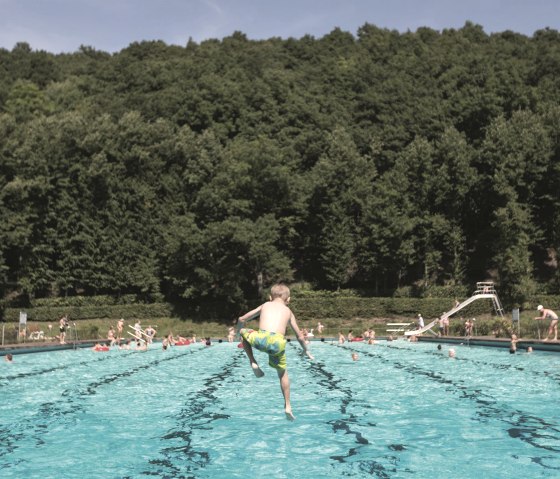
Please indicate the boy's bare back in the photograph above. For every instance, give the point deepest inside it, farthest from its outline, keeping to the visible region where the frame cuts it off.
(275, 316)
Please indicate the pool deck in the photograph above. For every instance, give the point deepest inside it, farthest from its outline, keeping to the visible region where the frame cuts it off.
(43, 346)
(522, 343)
(489, 341)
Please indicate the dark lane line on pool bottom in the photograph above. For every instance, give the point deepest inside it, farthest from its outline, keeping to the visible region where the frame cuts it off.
(196, 415)
(49, 413)
(351, 462)
(526, 427)
(10, 435)
(40, 372)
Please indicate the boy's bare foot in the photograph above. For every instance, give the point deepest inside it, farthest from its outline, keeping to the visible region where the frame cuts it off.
(289, 415)
(258, 371)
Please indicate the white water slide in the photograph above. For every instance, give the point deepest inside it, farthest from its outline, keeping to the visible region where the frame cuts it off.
(484, 290)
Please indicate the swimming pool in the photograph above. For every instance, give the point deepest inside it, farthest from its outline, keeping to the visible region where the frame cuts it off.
(402, 410)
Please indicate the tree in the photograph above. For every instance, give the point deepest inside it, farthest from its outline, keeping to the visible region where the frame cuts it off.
(26, 100)
(342, 182)
(515, 154)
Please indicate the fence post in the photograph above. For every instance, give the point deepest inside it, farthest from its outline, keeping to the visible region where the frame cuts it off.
(515, 319)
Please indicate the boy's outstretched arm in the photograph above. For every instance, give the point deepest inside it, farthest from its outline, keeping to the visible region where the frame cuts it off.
(299, 335)
(253, 314)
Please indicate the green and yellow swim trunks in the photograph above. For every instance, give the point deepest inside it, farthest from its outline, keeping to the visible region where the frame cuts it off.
(274, 344)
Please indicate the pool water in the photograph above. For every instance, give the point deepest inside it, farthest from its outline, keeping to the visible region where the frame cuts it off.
(403, 410)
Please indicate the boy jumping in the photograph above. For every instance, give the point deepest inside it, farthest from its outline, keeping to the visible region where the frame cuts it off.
(274, 317)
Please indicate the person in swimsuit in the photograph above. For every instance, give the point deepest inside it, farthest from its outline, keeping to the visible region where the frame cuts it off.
(111, 336)
(120, 324)
(231, 334)
(420, 321)
(62, 325)
(548, 313)
(150, 334)
(469, 328)
(274, 316)
(441, 326)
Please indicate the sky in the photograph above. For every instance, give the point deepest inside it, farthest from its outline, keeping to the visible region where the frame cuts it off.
(111, 25)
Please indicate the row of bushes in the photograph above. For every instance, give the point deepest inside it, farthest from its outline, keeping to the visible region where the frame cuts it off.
(99, 300)
(306, 306)
(76, 313)
(415, 291)
(343, 307)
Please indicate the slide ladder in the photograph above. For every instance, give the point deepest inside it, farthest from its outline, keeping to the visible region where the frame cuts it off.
(484, 290)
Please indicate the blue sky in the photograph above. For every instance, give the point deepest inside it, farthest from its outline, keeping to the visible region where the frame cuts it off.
(111, 25)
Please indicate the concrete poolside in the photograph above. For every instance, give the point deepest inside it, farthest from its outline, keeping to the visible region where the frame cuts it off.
(522, 343)
(488, 341)
(43, 346)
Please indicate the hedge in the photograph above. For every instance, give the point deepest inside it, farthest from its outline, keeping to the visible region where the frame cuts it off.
(354, 307)
(306, 306)
(76, 313)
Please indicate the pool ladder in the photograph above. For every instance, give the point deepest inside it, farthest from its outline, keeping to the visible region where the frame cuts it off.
(75, 345)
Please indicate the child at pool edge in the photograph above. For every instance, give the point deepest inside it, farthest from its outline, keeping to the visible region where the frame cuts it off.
(274, 317)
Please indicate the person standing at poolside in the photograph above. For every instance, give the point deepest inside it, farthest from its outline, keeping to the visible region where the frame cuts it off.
(150, 334)
(111, 336)
(120, 325)
(62, 326)
(420, 321)
(441, 326)
(320, 327)
(138, 329)
(231, 334)
(274, 317)
(548, 313)
(469, 324)
(446, 326)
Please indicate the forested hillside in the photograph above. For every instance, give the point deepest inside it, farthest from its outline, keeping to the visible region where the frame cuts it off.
(374, 161)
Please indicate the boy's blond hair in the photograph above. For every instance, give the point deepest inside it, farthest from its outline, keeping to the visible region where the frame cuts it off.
(280, 291)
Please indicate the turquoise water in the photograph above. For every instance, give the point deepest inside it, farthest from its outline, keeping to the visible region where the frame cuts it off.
(403, 410)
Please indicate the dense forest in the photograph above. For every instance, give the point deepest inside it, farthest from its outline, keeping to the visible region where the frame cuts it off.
(376, 161)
